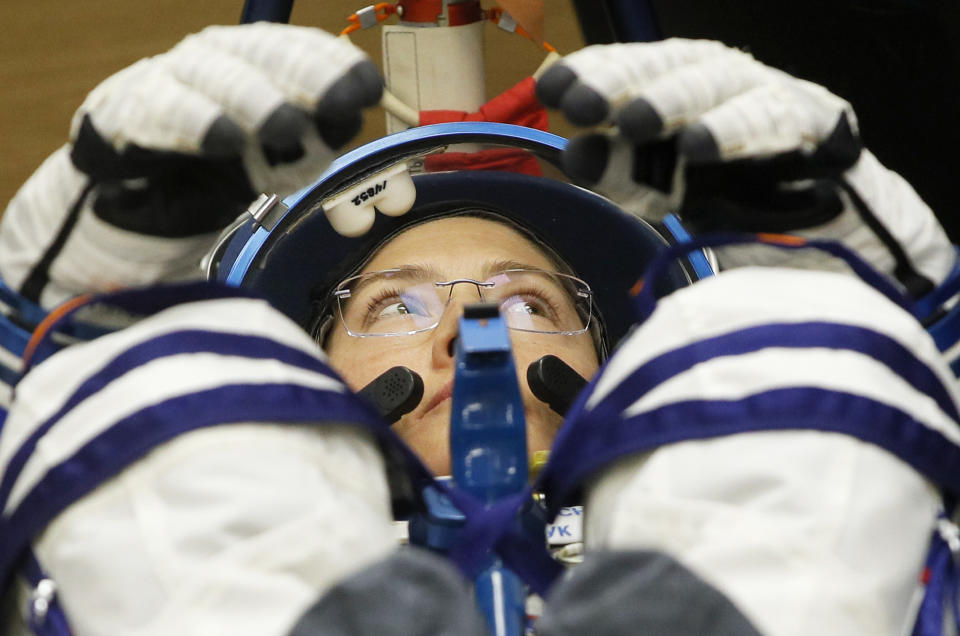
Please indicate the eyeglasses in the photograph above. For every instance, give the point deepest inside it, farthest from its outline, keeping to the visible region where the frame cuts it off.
(403, 302)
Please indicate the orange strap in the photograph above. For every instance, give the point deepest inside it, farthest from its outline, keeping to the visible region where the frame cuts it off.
(49, 322)
(781, 239)
(494, 16)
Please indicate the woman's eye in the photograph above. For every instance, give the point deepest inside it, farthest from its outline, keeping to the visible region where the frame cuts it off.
(524, 305)
(391, 310)
(393, 306)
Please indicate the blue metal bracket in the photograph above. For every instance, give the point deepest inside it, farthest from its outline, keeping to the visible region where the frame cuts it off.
(488, 432)
(488, 447)
(488, 454)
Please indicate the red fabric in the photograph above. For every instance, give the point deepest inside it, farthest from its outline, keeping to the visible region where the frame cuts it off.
(517, 105)
(426, 11)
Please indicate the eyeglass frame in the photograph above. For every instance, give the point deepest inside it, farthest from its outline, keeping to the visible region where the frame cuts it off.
(585, 294)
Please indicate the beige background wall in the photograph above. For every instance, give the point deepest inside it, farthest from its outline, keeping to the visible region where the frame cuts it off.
(54, 51)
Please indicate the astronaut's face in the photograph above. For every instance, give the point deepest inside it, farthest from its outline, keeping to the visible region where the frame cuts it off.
(458, 247)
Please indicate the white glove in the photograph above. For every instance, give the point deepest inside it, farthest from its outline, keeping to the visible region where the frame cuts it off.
(171, 149)
(709, 132)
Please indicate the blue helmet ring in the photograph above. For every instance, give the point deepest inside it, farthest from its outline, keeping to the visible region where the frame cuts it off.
(297, 261)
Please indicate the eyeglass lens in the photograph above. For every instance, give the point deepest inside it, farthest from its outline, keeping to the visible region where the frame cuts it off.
(402, 301)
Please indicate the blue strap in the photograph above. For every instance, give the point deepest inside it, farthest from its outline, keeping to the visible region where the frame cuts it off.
(942, 580)
(930, 615)
(15, 330)
(946, 334)
(945, 330)
(698, 258)
(495, 528)
(13, 337)
(29, 311)
(947, 289)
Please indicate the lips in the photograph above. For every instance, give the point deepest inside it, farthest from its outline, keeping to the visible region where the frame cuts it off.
(445, 392)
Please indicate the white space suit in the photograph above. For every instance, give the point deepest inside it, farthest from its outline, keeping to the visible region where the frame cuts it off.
(238, 522)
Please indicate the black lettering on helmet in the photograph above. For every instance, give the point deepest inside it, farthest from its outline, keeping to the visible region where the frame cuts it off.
(369, 192)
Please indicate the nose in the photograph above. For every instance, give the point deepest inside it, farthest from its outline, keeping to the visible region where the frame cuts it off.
(447, 330)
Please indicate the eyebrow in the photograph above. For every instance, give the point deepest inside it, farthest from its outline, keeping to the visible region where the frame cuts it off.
(421, 271)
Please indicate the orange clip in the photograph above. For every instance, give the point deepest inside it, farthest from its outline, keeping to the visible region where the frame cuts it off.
(496, 13)
(382, 11)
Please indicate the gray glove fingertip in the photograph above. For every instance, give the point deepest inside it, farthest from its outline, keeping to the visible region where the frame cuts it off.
(336, 129)
(842, 147)
(411, 592)
(281, 134)
(223, 139)
(698, 145)
(337, 115)
(366, 76)
(554, 83)
(584, 106)
(639, 592)
(639, 121)
(360, 86)
(585, 158)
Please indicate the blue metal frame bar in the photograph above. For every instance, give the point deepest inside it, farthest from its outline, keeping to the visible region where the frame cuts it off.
(266, 10)
(634, 20)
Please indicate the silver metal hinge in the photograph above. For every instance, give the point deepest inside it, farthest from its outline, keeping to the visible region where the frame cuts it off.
(266, 211)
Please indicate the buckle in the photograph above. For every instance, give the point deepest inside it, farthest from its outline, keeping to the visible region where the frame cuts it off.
(41, 599)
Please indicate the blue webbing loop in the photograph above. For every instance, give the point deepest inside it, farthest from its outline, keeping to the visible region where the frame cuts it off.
(942, 579)
(947, 289)
(698, 258)
(29, 311)
(495, 528)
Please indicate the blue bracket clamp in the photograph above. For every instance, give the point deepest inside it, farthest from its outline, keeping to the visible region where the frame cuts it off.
(488, 455)
(488, 431)
(488, 447)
